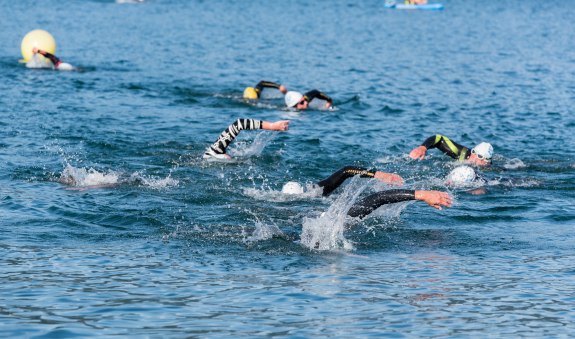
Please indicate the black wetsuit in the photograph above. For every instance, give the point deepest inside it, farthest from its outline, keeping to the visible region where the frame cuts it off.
(336, 179)
(230, 133)
(315, 94)
(52, 58)
(265, 84)
(370, 203)
(365, 206)
(451, 148)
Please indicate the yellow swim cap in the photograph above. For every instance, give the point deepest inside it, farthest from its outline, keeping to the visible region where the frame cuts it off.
(250, 93)
(40, 39)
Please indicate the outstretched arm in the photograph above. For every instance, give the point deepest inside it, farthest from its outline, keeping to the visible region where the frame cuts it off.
(315, 94)
(444, 144)
(48, 55)
(336, 179)
(372, 202)
(270, 84)
(230, 133)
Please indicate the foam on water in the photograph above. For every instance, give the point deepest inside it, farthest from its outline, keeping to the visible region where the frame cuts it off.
(514, 163)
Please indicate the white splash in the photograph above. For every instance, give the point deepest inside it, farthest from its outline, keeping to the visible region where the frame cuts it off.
(514, 163)
(243, 149)
(81, 177)
(326, 232)
(37, 61)
(268, 194)
(264, 232)
(156, 183)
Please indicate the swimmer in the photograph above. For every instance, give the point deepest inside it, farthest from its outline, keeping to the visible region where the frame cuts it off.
(480, 155)
(255, 92)
(56, 63)
(365, 206)
(335, 180)
(218, 149)
(301, 102)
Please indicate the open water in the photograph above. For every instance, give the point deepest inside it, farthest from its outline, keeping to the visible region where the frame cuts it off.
(112, 225)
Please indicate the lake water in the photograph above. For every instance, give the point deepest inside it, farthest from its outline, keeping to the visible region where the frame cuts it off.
(168, 245)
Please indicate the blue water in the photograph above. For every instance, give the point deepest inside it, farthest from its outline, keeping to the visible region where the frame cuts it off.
(111, 224)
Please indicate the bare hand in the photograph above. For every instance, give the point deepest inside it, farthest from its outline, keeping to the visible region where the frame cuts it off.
(418, 153)
(434, 199)
(281, 125)
(35, 50)
(389, 178)
(283, 89)
(328, 105)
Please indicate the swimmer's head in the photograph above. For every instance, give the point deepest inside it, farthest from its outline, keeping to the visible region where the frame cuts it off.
(461, 176)
(292, 187)
(292, 98)
(250, 93)
(482, 154)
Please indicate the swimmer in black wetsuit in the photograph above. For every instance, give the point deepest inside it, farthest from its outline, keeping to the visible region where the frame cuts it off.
(56, 63)
(300, 101)
(255, 92)
(218, 149)
(480, 155)
(370, 203)
(335, 180)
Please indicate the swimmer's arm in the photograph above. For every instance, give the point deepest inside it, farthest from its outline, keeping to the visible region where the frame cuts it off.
(370, 203)
(48, 55)
(269, 84)
(315, 94)
(281, 125)
(443, 143)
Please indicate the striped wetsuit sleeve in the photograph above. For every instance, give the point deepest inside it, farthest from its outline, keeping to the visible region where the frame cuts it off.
(372, 202)
(447, 146)
(230, 133)
(336, 179)
(315, 94)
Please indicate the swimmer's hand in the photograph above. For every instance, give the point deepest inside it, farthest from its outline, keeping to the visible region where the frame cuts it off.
(435, 199)
(281, 125)
(283, 89)
(328, 105)
(35, 50)
(418, 152)
(389, 178)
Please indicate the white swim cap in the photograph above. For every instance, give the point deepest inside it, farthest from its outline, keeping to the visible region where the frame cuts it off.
(292, 98)
(461, 176)
(292, 187)
(484, 150)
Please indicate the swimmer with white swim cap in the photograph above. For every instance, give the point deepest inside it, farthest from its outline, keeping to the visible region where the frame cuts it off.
(253, 93)
(335, 180)
(301, 102)
(218, 149)
(56, 63)
(479, 155)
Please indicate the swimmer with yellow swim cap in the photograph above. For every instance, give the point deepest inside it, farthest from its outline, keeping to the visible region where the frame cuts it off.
(479, 155)
(253, 93)
(56, 63)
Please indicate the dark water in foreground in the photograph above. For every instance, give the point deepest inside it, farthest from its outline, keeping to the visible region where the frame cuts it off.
(173, 246)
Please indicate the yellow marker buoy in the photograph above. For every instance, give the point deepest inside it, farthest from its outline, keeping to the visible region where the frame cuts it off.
(37, 38)
(250, 93)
